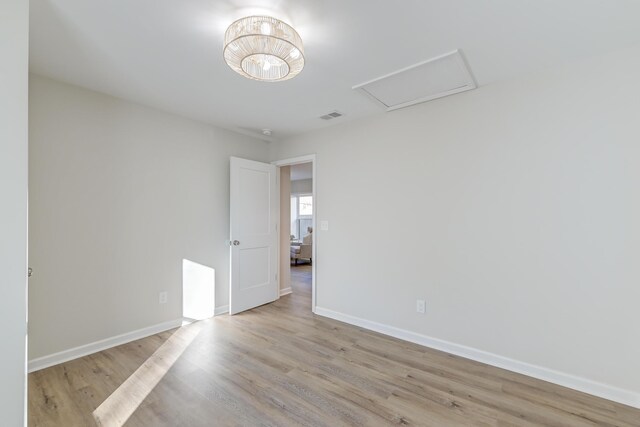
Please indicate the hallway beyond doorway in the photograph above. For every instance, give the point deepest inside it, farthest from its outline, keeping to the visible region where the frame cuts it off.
(301, 279)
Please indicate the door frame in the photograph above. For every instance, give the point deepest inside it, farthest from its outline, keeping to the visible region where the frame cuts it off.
(309, 158)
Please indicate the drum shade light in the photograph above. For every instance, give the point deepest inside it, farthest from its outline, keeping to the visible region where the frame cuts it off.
(263, 48)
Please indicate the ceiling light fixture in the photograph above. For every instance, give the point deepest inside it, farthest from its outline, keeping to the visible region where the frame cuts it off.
(263, 48)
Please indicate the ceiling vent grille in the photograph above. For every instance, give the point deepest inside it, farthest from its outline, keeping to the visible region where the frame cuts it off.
(332, 115)
(435, 78)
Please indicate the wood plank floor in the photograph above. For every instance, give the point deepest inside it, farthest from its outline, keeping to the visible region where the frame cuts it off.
(280, 365)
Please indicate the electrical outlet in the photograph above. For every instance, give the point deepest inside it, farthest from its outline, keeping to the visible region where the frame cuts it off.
(162, 298)
(421, 306)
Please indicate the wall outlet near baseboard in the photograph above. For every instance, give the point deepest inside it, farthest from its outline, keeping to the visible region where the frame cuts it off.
(162, 297)
(421, 306)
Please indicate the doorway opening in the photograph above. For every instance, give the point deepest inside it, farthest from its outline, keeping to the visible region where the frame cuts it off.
(297, 237)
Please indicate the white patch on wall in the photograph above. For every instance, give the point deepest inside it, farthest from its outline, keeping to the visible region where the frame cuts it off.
(198, 290)
(431, 79)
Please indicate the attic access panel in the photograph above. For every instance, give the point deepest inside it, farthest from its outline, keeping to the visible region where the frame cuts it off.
(435, 78)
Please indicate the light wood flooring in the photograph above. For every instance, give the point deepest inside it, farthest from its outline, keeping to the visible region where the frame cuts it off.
(280, 365)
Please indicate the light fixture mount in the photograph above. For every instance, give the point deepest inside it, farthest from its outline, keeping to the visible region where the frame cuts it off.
(263, 48)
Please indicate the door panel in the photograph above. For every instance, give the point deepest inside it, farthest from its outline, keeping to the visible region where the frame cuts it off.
(254, 207)
(254, 215)
(259, 261)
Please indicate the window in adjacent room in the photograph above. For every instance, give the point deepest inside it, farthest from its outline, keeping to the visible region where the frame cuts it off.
(305, 206)
(301, 215)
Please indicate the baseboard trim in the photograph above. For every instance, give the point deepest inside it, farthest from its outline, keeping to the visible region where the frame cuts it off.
(584, 385)
(285, 291)
(223, 309)
(94, 347)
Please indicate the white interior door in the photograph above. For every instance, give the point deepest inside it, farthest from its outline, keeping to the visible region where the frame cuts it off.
(254, 234)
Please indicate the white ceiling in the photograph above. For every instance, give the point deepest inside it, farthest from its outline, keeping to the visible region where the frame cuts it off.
(168, 54)
(301, 171)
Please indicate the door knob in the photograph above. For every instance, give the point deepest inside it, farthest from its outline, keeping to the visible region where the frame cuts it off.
(29, 272)
(236, 243)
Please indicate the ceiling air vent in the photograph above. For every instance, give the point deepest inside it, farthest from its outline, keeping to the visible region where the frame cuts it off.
(435, 78)
(331, 115)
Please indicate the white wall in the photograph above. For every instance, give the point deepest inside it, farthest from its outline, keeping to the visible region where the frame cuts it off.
(14, 54)
(120, 194)
(526, 202)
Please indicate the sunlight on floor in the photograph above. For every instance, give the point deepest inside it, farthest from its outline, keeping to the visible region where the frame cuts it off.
(119, 406)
